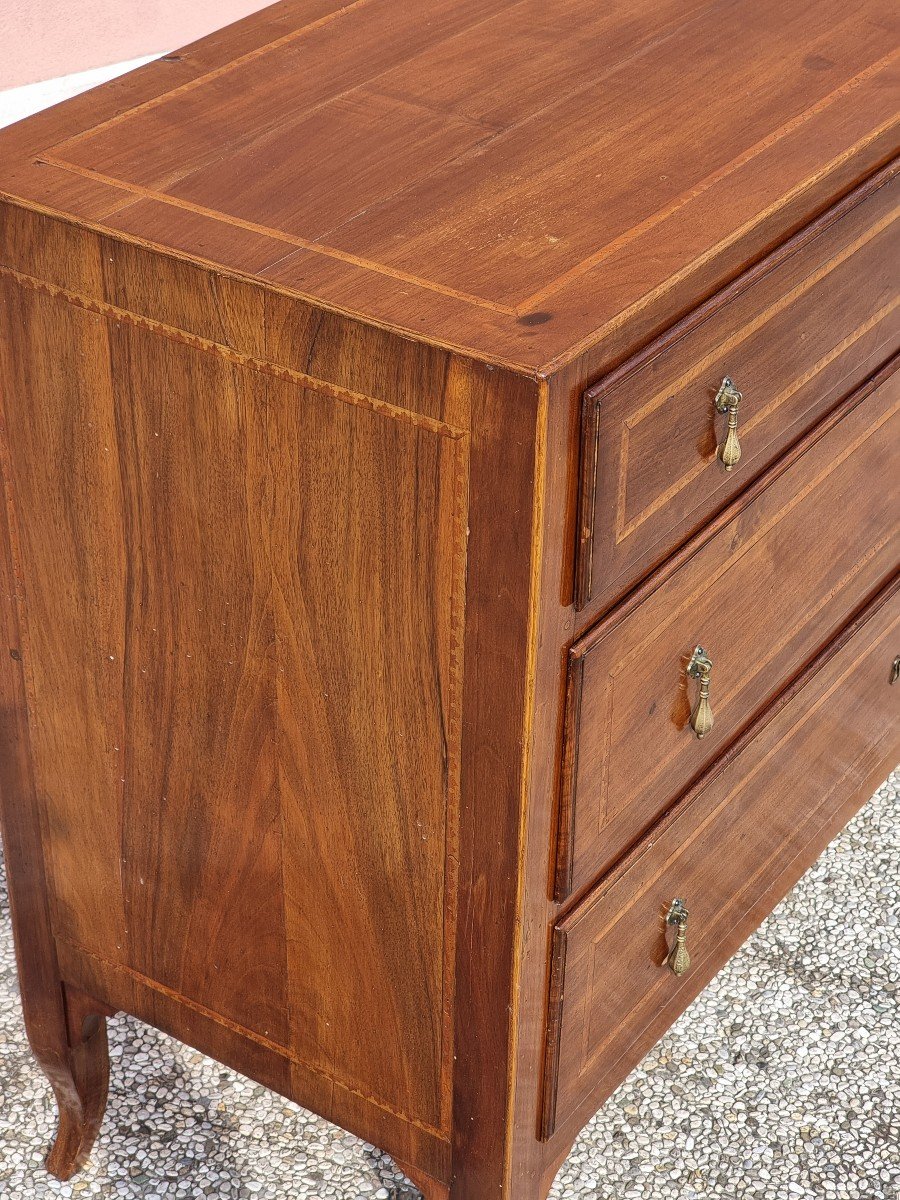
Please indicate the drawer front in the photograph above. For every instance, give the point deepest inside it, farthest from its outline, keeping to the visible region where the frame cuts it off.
(796, 335)
(730, 851)
(761, 590)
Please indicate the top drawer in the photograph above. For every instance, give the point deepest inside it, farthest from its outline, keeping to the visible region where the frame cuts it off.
(796, 334)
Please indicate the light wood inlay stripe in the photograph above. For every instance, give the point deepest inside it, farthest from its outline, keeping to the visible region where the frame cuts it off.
(250, 1035)
(643, 227)
(310, 382)
(624, 531)
(278, 234)
(216, 73)
(650, 297)
(773, 649)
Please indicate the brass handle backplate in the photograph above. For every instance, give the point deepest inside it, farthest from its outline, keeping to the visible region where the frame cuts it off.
(679, 960)
(895, 669)
(700, 667)
(728, 400)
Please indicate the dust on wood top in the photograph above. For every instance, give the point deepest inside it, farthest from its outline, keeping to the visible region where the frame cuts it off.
(515, 179)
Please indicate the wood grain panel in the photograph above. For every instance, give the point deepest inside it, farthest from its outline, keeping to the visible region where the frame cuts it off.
(507, 480)
(541, 54)
(758, 591)
(245, 690)
(357, 150)
(21, 825)
(440, 224)
(734, 847)
(253, 1056)
(183, 300)
(297, 325)
(805, 328)
(230, 109)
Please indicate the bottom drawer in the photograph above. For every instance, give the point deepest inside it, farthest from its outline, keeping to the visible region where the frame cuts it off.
(730, 850)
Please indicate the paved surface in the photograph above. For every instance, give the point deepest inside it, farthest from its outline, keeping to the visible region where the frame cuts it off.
(782, 1081)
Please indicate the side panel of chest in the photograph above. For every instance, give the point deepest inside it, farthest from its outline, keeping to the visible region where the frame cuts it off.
(244, 689)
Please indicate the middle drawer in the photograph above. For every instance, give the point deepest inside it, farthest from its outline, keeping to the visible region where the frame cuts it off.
(761, 590)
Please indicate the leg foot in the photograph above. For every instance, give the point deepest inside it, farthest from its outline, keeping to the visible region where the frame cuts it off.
(80, 1083)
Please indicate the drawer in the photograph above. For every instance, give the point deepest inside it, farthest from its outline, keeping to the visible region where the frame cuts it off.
(796, 335)
(730, 851)
(761, 590)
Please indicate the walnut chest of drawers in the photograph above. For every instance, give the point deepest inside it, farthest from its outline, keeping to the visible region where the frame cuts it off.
(449, 543)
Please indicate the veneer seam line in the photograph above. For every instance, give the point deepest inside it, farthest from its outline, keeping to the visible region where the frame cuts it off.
(527, 304)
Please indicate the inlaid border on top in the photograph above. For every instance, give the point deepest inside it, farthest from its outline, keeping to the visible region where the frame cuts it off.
(55, 156)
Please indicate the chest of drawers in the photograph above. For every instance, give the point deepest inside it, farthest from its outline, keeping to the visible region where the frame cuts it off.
(449, 544)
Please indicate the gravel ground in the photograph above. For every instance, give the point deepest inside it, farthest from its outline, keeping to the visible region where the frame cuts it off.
(782, 1081)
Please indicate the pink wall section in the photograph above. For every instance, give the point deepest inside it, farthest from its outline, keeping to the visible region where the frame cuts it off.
(40, 39)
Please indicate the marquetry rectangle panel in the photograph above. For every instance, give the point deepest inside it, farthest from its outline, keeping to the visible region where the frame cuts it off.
(361, 179)
(244, 689)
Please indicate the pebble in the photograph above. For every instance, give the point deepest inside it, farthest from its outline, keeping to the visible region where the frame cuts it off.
(782, 1080)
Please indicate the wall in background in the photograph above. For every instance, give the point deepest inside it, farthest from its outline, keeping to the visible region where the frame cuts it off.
(41, 39)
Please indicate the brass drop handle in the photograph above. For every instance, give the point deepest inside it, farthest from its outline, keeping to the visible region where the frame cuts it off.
(728, 400)
(679, 960)
(895, 669)
(700, 667)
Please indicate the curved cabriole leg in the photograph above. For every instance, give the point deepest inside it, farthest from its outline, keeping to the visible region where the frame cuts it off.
(67, 1031)
(80, 1081)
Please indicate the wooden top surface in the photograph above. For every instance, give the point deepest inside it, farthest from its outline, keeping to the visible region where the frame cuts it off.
(515, 179)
